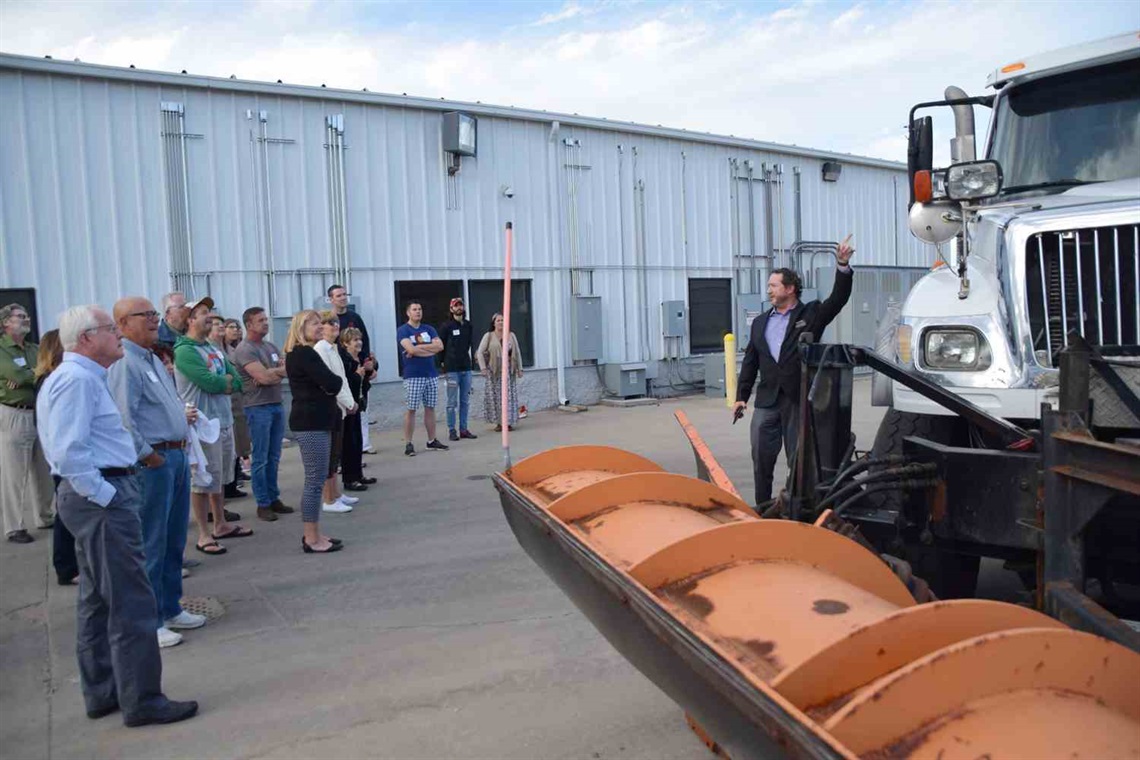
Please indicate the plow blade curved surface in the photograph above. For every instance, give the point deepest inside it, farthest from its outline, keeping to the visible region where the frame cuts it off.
(782, 639)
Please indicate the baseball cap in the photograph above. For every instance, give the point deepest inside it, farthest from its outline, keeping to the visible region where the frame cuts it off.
(456, 301)
(204, 300)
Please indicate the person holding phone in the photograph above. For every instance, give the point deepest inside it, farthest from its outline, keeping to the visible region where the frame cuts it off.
(771, 353)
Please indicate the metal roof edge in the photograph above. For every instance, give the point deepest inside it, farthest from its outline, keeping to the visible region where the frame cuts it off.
(102, 71)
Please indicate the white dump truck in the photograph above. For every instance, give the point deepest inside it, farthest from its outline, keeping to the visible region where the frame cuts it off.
(1039, 245)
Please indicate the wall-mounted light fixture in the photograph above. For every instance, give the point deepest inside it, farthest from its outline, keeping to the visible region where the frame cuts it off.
(831, 171)
(459, 137)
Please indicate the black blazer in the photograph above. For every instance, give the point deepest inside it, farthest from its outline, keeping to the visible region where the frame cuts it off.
(314, 387)
(785, 375)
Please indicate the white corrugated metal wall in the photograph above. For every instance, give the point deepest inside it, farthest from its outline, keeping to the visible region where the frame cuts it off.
(86, 217)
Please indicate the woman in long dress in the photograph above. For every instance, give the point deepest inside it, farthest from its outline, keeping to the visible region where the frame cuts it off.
(490, 358)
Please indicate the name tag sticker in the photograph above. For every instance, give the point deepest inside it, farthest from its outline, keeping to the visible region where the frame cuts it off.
(20, 361)
(151, 376)
(455, 332)
(274, 358)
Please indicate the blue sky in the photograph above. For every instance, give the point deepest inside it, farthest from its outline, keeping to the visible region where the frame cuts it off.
(833, 75)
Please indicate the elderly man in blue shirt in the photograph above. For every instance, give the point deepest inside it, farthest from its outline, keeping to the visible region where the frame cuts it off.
(158, 422)
(99, 498)
(771, 353)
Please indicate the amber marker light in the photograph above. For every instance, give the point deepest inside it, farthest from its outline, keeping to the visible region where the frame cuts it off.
(1012, 68)
(923, 190)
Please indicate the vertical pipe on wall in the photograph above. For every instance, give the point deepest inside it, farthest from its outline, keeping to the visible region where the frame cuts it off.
(624, 263)
(769, 237)
(780, 215)
(752, 280)
(557, 287)
(185, 194)
(343, 204)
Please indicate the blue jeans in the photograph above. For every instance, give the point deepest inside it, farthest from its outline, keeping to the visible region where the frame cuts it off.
(165, 513)
(266, 429)
(458, 390)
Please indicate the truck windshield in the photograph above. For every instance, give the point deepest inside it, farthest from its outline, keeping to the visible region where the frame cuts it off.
(1070, 129)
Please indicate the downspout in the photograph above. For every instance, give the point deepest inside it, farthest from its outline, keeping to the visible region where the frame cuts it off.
(752, 282)
(560, 292)
(768, 226)
(624, 265)
(780, 212)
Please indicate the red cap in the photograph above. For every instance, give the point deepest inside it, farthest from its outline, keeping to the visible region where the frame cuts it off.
(455, 301)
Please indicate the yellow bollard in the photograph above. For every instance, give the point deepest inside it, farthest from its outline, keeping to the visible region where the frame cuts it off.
(729, 370)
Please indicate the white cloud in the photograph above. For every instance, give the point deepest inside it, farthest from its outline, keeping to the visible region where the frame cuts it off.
(815, 74)
(567, 12)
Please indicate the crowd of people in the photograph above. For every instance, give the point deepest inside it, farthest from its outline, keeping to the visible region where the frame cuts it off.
(119, 428)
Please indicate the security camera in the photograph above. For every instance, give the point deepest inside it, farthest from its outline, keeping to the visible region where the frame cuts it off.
(508, 191)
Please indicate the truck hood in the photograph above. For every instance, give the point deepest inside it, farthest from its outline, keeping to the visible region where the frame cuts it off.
(1118, 192)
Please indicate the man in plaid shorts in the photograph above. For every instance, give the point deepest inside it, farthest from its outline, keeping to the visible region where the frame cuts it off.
(419, 343)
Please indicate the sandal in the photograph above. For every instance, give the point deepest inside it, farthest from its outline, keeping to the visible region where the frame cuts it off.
(210, 547)
(239, 531)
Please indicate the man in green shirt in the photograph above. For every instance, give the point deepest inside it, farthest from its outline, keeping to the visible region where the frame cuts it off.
(24, 475)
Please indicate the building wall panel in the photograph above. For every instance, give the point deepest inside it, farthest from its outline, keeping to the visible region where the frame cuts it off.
(85, 214)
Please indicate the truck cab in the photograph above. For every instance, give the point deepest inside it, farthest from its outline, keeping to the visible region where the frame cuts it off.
(1038, 241)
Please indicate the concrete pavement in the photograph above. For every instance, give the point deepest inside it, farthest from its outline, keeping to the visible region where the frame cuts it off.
(431, 635)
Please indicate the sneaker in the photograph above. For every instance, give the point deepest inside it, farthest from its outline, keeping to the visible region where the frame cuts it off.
(349, 500)
(185, 573)
(280, 508)
(185, 620)
(168, 638)
(468, 435)
(435, 444)
(336, 506)
(452, 435)
(522, 412)
(409, 450)
(20, 537)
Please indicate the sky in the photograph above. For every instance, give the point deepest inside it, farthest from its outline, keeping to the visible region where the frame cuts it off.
(835, 76)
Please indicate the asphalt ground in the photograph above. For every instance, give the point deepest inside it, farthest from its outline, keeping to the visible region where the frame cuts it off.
(432, 635)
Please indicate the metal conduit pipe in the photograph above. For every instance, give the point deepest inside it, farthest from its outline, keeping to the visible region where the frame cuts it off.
(797, 182)
(556, 283)
(752, 280)
(769, 235)
(780, 211)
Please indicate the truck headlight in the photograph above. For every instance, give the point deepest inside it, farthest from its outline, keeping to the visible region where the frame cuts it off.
(955, 350)
(973, 180)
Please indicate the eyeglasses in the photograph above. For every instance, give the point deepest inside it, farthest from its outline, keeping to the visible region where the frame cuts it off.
(109, 327)
(152, 314)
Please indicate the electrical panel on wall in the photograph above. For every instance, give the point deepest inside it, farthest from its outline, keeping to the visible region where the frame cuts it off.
(673, 319)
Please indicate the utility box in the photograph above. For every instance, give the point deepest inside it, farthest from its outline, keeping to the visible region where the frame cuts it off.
(673, 319)
(751, 306)
(626, 379)
(714, 373)
(586, 344)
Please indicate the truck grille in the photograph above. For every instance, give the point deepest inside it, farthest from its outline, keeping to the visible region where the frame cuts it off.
(1083, 281)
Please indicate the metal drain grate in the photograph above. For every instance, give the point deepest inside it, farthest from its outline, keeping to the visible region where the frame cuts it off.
(204, 605)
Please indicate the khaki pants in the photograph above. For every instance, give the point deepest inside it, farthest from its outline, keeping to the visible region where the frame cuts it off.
(25, 480)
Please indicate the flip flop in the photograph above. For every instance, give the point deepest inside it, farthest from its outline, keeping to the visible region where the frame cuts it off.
(238, 532)
(210, 547)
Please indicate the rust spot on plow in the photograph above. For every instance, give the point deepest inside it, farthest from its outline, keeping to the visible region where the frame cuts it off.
(830, 607)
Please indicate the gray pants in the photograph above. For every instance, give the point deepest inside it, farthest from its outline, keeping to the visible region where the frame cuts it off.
(770, 427)
(25, 480)
(116, 644)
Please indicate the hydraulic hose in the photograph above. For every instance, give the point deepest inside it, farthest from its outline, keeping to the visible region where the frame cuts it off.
(857, 467)
(891, 473)
(898, 485)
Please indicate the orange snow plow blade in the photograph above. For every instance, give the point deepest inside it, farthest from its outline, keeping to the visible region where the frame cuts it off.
(782, 639)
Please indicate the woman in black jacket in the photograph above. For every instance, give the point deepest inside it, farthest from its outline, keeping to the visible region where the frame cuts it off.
(312, 419)
(351, 467)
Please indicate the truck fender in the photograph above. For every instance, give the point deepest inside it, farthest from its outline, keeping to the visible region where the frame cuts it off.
(885, 335)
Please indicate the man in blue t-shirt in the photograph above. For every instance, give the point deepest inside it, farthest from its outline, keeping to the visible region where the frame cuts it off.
(419, 343)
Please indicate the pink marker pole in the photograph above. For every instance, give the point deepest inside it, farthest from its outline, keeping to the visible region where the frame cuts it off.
(506, 359)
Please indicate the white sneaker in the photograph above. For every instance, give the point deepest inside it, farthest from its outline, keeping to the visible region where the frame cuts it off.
(185, 573)
(168, 638)
(349, 500)
(185, 620)
(336, 506)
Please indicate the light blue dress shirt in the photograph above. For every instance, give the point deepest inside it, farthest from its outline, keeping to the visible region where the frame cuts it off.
(776, 330)
(80, 427)
(145, 394)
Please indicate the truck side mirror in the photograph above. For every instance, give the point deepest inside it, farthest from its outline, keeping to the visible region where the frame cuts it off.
(920, 149)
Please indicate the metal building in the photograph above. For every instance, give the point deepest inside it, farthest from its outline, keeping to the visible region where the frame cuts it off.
(634, 244)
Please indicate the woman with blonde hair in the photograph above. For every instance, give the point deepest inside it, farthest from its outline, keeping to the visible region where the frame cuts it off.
(63, 559)
(490, 358)
(312, 418)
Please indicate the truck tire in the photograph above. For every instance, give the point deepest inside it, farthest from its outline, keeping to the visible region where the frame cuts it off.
(950, 575)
